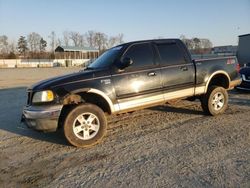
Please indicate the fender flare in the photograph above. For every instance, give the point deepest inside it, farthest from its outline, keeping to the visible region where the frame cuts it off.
(98, 92)
(214, 74)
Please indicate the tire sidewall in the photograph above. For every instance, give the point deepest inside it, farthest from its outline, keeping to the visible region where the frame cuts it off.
(69, 121)
(212, 92)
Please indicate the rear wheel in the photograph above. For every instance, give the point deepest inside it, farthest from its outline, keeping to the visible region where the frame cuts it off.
(215, 101)
(85, 125)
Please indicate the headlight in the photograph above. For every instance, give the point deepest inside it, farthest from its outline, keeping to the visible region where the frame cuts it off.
(243, 77)
(43, 96)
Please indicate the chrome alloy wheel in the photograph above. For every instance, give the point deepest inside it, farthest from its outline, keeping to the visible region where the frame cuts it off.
(218, 101)
(86, 126)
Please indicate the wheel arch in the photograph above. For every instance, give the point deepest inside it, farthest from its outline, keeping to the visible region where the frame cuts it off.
(104, 97)
(87, 95)
(90, 95)
(219, 78)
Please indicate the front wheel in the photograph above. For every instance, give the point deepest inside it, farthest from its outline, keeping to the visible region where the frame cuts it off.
(215, 101)
(85, 125)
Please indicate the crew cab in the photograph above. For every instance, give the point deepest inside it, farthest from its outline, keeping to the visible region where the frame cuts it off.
(125, 78)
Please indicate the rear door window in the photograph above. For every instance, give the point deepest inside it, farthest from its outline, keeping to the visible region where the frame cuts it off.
(170, 54)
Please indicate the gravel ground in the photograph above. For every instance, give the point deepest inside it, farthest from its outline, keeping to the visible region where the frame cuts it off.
(165, 146)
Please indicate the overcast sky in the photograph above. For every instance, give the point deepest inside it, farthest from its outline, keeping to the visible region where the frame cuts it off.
(221, 21)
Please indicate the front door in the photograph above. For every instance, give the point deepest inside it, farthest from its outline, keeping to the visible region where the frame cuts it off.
(138, 83)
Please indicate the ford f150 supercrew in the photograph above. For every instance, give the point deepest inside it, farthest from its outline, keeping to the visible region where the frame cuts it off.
(125, 78)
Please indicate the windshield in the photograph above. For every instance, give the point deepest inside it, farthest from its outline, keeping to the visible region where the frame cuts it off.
(106, 59)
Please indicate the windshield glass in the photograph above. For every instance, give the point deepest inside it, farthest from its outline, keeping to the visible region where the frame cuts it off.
(106, 59)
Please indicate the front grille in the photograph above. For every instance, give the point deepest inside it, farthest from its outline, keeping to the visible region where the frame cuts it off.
(245, 84)
(246, 77)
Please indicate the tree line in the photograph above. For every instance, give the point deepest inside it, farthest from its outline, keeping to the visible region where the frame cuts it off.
(197, 45)
(35, 46)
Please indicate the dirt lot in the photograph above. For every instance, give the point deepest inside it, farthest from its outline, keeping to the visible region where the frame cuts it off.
(165, 146)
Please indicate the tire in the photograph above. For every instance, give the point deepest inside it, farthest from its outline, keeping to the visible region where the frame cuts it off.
(215, 101)
(85, 125)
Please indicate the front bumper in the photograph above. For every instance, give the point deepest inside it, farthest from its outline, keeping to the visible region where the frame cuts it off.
(42, 118)
(244, 86)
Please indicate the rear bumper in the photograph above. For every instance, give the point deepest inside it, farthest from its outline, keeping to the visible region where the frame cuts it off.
(42, 118)
(235, 83)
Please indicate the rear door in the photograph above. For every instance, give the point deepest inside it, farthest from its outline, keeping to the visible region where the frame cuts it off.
(178, 72)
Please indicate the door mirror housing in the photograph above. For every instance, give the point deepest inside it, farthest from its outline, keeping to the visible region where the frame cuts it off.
(125, 63)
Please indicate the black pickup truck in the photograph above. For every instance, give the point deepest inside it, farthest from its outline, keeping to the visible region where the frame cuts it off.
(125, 78)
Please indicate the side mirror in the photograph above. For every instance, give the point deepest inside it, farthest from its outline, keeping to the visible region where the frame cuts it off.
(126, 62)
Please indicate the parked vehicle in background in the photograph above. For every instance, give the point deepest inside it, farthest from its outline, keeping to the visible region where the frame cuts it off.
(245, 74)
(243, 56)
(243, 53)
(128, 77)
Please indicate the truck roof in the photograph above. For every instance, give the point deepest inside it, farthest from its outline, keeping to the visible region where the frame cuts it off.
(152, 40)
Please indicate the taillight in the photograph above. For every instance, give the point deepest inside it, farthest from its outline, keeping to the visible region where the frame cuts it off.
(231, 61)
(238, 67)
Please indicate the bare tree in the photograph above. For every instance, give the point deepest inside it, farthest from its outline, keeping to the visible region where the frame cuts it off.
(115, 40)
(111, 42)
(81, 41)
(100, 41)
(182, 37)
(197, 45)
(59, 42)
(53, 42)
(66, 38)
(77, 38)
(188, 42)
(90, 37)
(120, 38)
(12, 46)
(206, 43)
(34, 41)
(4, 44)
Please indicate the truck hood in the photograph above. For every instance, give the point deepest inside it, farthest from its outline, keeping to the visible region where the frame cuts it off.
(61, 80)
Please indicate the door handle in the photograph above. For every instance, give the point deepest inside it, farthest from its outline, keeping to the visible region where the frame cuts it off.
(183, 68)
(151, 74)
